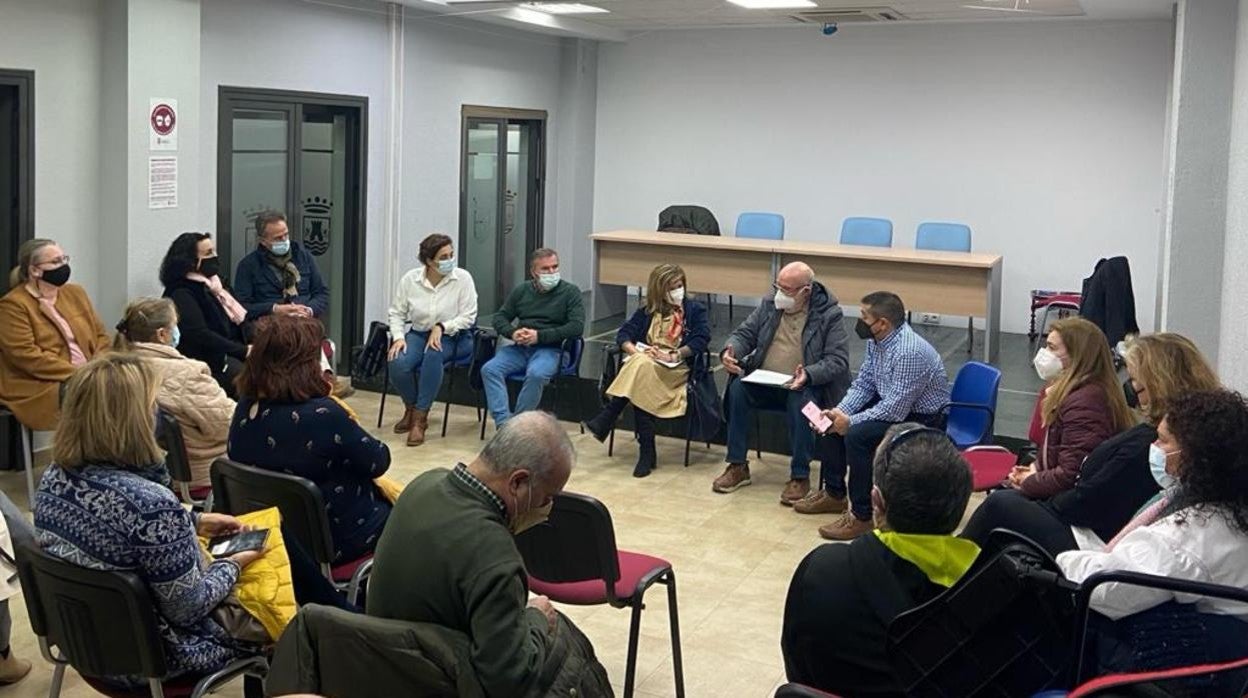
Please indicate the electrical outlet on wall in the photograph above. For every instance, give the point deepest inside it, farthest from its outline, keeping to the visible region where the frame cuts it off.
(929, 318)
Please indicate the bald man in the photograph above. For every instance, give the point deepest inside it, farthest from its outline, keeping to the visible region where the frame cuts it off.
(797, 330)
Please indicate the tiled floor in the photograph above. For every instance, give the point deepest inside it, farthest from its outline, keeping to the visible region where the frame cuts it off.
(733, 556)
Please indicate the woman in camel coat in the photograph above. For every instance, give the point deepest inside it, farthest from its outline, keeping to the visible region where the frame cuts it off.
(48, 327)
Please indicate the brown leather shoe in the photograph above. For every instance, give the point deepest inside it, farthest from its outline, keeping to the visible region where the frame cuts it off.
(405, 424)
(848, 527)
(420, 422)
(820, 502)
(736, 476)
(13, 669)
(795, 491)
(343, 388)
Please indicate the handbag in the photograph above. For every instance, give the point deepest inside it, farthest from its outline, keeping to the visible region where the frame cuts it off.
(373, 357)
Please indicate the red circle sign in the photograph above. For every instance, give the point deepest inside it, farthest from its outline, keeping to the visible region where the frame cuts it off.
(163, 119)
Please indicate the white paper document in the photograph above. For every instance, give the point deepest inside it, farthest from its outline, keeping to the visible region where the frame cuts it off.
(763, 377)
(642, 347)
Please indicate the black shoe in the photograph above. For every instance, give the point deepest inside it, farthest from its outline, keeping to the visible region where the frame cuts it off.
(602, 423)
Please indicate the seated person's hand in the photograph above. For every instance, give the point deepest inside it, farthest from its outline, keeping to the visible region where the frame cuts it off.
(840, 421)
(543, 604)
(1020, 473)
(524, 336)
(246, 557)
(288, 309)
(435, 338)
(213, 525)
(397, 347)
(799, 378)
(730, 362)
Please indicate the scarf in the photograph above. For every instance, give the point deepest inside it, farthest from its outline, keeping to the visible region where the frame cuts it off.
(236, 312)
(943, 559)
(678, 327)
(286, 270)
(48, 308)
(1167, 502)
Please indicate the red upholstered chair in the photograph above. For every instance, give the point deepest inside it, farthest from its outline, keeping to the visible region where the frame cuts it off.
(989, 466)
(572, 559)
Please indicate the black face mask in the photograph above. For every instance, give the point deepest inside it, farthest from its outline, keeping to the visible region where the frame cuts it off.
(58, 276)
(210, 266)
(862, 329)
(1133, 398)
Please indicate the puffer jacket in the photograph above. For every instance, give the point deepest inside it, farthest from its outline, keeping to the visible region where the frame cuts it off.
(194, 398)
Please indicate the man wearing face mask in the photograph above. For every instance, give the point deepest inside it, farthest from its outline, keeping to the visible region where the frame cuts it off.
(448, 556)
(902, 379)
(796, 331)
(538, 315)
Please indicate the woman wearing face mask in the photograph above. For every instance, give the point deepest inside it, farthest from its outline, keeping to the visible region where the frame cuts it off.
(438, 300)
(209, 317)
(1114, 481)
(48, 327)
(658, 342)
(187, 389)
(1082, 407)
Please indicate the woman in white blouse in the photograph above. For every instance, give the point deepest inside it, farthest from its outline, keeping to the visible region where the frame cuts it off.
(439, 301)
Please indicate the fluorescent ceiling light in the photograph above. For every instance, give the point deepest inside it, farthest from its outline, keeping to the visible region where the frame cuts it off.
(565, 8)
(773, 4)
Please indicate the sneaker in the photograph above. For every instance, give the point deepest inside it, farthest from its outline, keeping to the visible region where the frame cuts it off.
(795, 491)
(736, 476)
(820, 502)
(848, 527)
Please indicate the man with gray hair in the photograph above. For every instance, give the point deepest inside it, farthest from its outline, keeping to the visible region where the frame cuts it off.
(843, 597)
(448, 554)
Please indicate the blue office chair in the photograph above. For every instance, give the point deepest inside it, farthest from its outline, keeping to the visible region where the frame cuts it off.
(449, 365)
(758, 226)
(569, 367)
(948, 237)
(875, 232)
(972, 406)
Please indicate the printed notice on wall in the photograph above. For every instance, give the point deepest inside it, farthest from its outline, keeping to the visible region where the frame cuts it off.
(162, 181)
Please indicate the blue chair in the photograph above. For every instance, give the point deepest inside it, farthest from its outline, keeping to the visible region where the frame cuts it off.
(450, 365)
(948, 237)
(875, 232)
(972, 405)
(569, 367)
(758, 226)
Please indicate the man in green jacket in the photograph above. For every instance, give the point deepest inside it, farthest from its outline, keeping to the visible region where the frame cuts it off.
(448, 554)
(537, 315)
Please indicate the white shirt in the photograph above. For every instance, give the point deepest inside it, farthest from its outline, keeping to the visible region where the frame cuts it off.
(453, 302)
(1203, 549)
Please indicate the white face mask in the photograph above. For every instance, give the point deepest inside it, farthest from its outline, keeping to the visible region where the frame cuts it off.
(1157, 465)
(548, 281)
(676, 296)
(446, 266)
(1047, 364)
(784, 301)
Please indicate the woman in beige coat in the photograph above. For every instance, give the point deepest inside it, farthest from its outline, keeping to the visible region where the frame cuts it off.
(187, 389)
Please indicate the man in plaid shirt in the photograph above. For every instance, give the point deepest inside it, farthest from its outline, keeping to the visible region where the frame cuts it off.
(902, 379)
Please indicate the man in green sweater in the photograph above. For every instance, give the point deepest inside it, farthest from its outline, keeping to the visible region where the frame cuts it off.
(537, 315)
(448, 555)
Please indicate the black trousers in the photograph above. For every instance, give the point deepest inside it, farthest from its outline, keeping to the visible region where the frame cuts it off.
(1011, 509)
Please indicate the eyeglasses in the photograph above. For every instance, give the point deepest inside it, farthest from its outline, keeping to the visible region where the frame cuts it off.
(63, 259)
(786, 291)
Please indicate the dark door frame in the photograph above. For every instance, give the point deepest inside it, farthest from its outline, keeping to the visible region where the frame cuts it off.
(24, 81)
(535, 233)
(354, 215)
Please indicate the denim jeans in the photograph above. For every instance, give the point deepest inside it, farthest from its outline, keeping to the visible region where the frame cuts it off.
(538, 365)
(855, 452)
(744, 398)
(417, 372)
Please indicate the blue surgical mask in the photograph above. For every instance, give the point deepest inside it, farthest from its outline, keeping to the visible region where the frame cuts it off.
(280, 248)
(548, 281)
(446, 266)
(175, 336)
(1157, 464)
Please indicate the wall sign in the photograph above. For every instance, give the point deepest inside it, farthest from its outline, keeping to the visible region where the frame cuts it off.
(162, 121)
(162, 181)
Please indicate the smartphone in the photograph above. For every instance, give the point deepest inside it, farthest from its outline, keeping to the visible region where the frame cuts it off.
(225, 546)
(817, 419)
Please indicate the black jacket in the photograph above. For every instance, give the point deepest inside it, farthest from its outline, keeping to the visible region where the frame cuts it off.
(207, 333)
(1114, 482)
(1109, 301)
(688, 219)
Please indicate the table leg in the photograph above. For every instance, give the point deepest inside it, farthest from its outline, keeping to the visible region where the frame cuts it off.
(992, 326)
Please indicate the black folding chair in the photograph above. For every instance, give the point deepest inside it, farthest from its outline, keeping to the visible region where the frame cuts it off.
(571, 351)
(169, 437)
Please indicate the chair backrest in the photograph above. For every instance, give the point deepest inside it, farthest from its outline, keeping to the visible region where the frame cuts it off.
(102, 621)
(687, 218)
(876, 232)
(576, 544)
(976, 384)
(762, 226)
(242, 489)
(947, 237)
(169, 437)
(570, 358)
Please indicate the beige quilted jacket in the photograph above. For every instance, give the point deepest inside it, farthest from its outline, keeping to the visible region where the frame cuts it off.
(190, 393)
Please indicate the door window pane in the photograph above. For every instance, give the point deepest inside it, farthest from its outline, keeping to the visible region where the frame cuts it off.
(515, 211)
(482, 193)
(258, 174)
(322, 191)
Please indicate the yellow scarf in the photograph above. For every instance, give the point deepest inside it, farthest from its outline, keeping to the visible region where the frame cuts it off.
(944, 559)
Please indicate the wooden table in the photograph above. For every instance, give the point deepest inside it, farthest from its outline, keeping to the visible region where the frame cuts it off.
(951, 283)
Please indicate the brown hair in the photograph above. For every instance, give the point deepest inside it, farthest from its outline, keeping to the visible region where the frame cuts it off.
(106, 414)
(430, 246)
(143, 318)
(1088, 362)
(285, 361)
(1168, 365)
(661, 277)
(20, 274)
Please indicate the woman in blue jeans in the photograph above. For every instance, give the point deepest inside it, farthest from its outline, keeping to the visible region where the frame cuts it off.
(439, 302)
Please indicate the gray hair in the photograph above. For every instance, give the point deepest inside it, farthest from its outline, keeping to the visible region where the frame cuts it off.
(923, 479)
(541, 253)
(532, 441)
(266, 218)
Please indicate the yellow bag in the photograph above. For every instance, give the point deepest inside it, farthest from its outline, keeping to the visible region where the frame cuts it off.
(266, 587)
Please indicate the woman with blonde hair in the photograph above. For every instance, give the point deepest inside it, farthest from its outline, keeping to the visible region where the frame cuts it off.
(1115, 479)
(659, 342)
(1083, 406)
(188, 390)
(47, 327)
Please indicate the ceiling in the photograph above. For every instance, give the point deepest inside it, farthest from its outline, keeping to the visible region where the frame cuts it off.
(628, 16)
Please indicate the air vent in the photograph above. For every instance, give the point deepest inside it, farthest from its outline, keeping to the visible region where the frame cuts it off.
(849, 14)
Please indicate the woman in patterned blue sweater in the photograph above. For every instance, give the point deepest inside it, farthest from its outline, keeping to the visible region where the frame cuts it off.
(286, 422)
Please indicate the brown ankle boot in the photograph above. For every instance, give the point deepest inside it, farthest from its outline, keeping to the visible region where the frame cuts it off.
(420, 422)
(13, 669)
(405, 424)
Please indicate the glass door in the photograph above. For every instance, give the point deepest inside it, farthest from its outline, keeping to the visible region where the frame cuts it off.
(482, 185)
(17, 198)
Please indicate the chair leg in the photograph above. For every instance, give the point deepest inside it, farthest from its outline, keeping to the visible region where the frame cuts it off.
(28, 453)
(58, 677)
(446, 409)
(630, 668)
(674, 624)
(611, 443)
(970, 335)
(758, 436)
(385, 388)
(156, 689)
(484, 413)
(729, 309)
(688, 437)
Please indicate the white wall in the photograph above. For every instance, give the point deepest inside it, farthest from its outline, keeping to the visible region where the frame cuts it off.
(1045, 138)
(1232, 366)
(60, 41)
